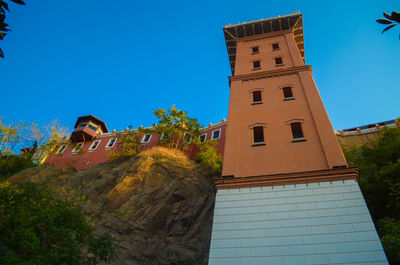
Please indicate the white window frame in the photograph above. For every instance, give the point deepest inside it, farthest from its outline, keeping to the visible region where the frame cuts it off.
(144, 137)
(205, 139)
(91, 146)
(59, 149)
(212, 134)
(190, 139)
(74, 150)
(162, 137)
(109, 141)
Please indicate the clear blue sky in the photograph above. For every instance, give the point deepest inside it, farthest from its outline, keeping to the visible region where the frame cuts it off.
(120, 60)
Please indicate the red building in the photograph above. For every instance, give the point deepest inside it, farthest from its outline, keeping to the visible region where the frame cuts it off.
(91, 143)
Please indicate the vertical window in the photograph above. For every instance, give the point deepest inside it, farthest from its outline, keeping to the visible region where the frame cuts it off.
(275, 46)
(111, 143)
(216, 134)
(255, 49)
(187, 138)
(61, 149)
(77, 147)
(164, 136)
(94, 145)
(257, 96)
(297, 131)
(256, 65)
(93, 127)
(287, 93)
(203, 137)
(258, 133)
(146, 138)
(278, 61)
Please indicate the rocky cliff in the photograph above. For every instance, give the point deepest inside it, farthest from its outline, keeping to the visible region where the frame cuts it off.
(158, 206)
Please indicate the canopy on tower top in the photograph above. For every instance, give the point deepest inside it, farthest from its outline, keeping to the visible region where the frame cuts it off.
(292, 22)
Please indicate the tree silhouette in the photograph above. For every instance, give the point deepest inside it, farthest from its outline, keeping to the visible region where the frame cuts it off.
(4, 26)
(391, 21)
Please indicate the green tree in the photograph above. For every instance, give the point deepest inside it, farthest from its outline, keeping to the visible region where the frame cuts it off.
(127, 145)
(209, 157)
(391, 20)
(175, 128)
(379, 164)
(38, 228)
(3, 26)
(10, 137)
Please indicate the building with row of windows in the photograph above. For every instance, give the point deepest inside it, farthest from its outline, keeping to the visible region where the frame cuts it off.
(91, 143)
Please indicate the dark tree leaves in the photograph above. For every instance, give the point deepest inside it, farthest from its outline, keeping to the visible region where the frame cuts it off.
(388, 27)
(384, 21)
(20, 2)
(392, 20)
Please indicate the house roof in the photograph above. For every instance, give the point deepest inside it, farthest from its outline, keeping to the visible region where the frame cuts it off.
(92, 119)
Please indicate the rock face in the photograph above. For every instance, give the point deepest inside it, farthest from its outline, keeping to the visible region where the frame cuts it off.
(158, 206)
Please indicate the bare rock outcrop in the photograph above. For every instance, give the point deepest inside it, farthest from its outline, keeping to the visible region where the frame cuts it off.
(157, 206)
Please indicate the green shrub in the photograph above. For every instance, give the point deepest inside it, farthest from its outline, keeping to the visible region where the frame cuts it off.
(38, 228)
(209, 158)
(12, 164)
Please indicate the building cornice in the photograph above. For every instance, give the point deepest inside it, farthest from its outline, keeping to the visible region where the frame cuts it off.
(265, 35)
(289, 178)
(271, 73)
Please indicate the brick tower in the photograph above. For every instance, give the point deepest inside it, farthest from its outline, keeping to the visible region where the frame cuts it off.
(286, 195)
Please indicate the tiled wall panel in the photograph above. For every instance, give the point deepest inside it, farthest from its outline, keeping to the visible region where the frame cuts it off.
(318, 223)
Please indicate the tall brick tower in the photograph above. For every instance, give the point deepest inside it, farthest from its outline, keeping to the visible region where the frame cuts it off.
(286, 195)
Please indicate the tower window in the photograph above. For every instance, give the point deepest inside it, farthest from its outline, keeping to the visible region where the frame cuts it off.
(287, 93)
(257, 97)
(278, 61)
(275, 46)
(256, 65)
(258, 133)
(297, 131)
(255, 49)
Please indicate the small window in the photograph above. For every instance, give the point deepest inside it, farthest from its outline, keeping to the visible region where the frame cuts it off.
(83, 124)
(278, 61)
(297, 131)
(257, 97)
(216, 134)
(287, 93)
(111, 143)
(203, 137)
(146, 138)
(258, 133)
(61, 149)
(77, 147)
(94, 145)
(255, 49)
(275, 46)
(93, 127)
(164, 136)
(256, 65)
(187, 138)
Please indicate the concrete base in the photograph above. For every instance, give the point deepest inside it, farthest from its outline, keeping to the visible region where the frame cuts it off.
(315, 223)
